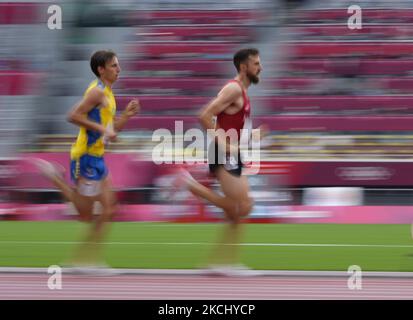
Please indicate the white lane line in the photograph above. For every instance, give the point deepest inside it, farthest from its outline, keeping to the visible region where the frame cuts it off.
(194, 273)
(246, 244)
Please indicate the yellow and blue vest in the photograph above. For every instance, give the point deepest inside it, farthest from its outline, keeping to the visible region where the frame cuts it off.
(88, 141)
(88, 150)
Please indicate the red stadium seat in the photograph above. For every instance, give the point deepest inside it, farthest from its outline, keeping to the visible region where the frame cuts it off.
(186, 49)
(338, 123)
(386, 67)
(156, 103)
(189, 84)
(364, 66)
(188, 32)
(396, 104)
(382, 31)
(196, 67)
(19, 83)
(161, 122)
(299, 83)
(322, 49)
(399, 85)
(22, 13)
(200, 16)
(369, 15)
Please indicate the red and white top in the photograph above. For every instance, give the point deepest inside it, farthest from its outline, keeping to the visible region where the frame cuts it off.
(238, 120)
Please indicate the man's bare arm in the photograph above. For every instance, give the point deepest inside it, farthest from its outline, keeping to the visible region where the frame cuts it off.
(132, 109)
(226, 97)
(78, 115)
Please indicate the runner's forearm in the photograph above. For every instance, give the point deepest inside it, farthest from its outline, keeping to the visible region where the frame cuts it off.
(83, 121)
(120, 122)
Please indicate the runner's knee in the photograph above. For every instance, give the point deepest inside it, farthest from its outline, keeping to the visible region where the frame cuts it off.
(233, 217)
(239, 210)
(109, 212)
(85, 215)
(245, 207)
(85, 211)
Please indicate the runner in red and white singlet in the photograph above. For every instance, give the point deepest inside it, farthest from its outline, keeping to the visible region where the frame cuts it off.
(230, 123)
(231, 108)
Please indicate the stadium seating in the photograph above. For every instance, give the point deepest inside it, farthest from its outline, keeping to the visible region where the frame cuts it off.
(369, 15)
(179, 67)
(199, 16)
(331, 80)
(198, 85)
(381, 32)
(21, 13)
(13, 83)
(345, 104)
(365, 48)
(362, 66)
(188, 33)
(183, 49)
(156, 104)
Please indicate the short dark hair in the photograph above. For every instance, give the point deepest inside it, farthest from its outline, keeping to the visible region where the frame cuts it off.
(99, 59)
(242, 56)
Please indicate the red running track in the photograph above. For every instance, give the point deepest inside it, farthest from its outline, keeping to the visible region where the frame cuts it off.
(200, 287)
